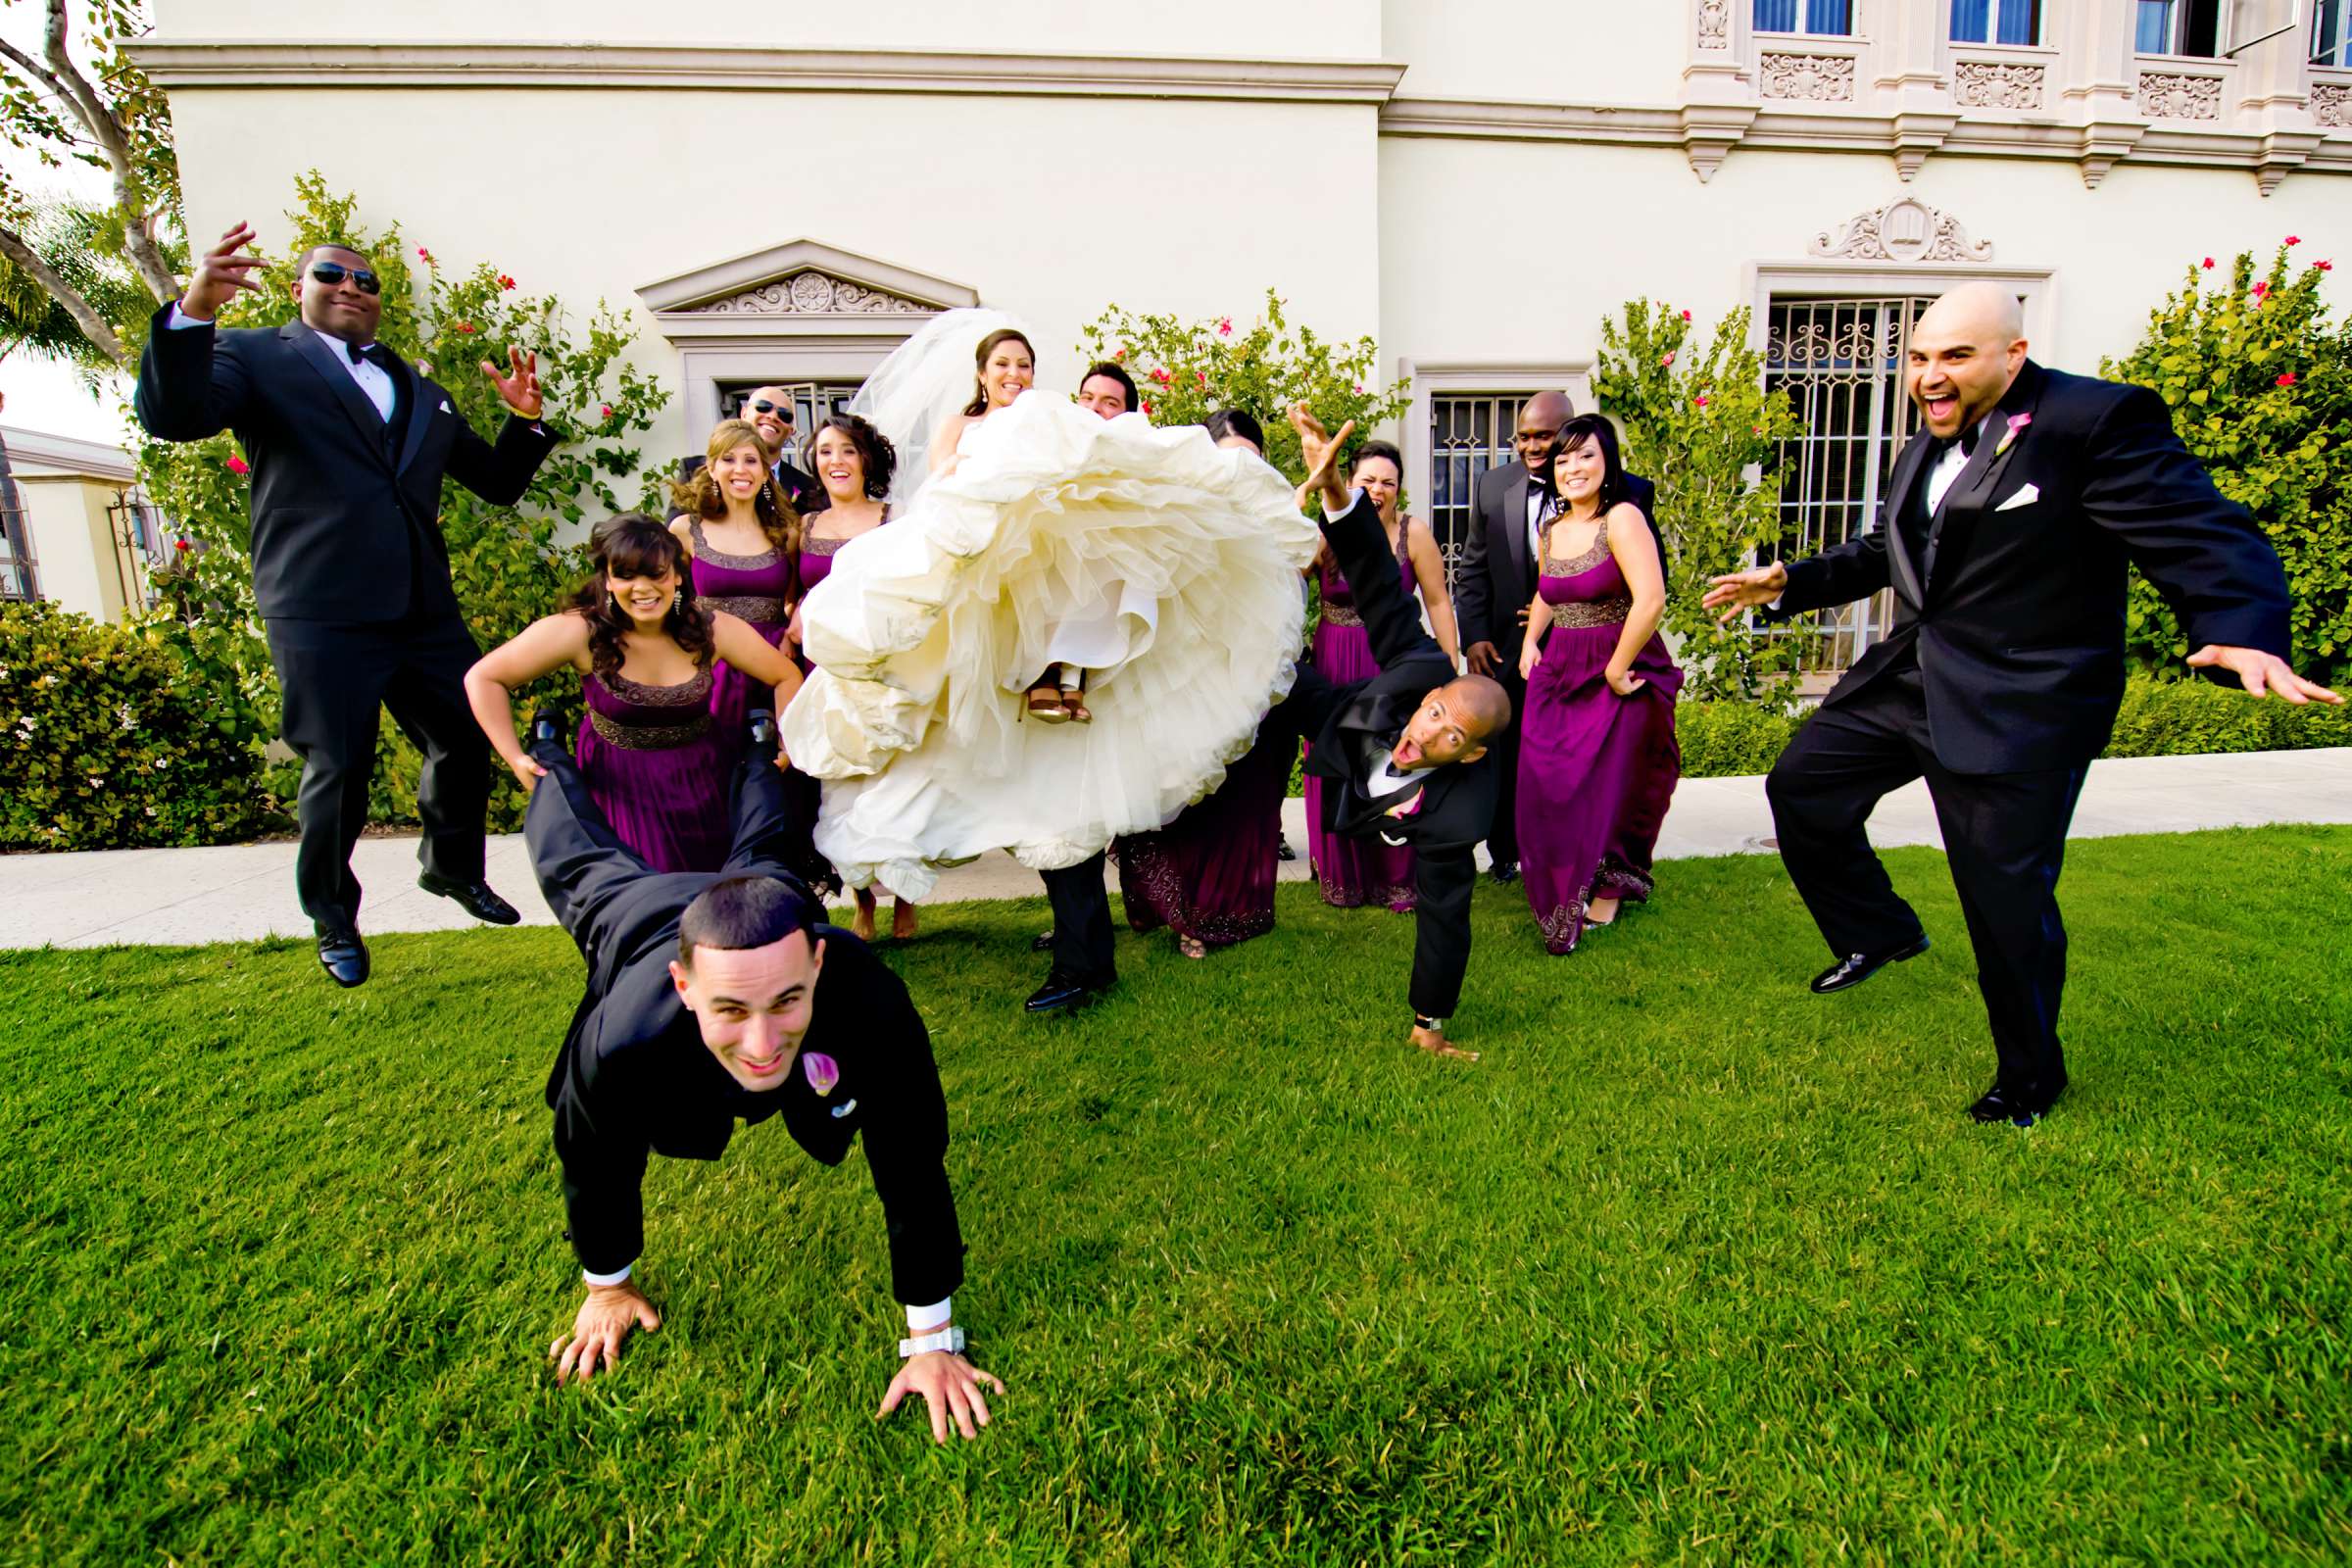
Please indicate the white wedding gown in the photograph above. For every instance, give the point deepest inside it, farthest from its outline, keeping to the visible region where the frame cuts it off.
(1165, 565)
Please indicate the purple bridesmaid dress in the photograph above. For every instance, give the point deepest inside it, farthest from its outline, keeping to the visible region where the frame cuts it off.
(1595, 770)
(1209, 874)
(1353, 872)
(654, 767)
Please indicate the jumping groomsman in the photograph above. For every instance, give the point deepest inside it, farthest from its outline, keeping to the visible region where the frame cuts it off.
(718, 998)
(1496, 584)
(2009, 523)
(348, 448)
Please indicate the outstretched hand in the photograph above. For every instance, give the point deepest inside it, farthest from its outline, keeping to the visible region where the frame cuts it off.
(2261, 673)
(520, 387)
(1321, 454)
(949, 1385)
(1745, 590)
(606, 1319)
(220, 274)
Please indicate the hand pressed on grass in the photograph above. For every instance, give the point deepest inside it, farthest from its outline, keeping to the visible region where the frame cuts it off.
(949, 1385)
(606, 1319)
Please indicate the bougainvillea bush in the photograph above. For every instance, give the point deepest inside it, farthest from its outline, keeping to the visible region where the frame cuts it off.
(2259, 379)
(510, 564)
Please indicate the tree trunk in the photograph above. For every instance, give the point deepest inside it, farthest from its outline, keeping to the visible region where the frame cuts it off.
(93, 326)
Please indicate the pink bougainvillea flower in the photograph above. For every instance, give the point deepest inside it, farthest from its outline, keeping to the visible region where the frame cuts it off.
(607, 410)
(1759, 430)
(1201, 376)
(821, 1071)
(1224, 326)
(1118, 354)
(2325, 267)
(1667, 359)
(2262, 288)
(504, 281)
(2295, 239)
(464, 326)
(1160, 374)
(2288, 379)
(238, 466)
(425, 256)
(1359, 389)
(1686, 316)
(2208, 264)
(1146, 404)
(1700, 400)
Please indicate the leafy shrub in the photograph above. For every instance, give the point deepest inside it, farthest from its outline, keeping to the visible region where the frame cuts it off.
(508, 563)
(1699, 424)
(1723, 739)
(107, 743)
(2260, 385)
(1185, 372)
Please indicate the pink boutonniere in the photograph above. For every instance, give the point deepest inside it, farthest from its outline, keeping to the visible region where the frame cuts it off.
(1408, 808)
(2017, 426)
(821, 1071)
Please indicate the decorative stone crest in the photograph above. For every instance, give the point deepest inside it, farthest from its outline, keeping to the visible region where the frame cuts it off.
(1714, 23)
(1816, 78)
(2332, 103)
(2166, 95)
(1997, 84)
(1905, 230)
(814, 293)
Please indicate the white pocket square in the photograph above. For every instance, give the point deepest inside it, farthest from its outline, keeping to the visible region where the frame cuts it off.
(2024, 498)
(445, 409)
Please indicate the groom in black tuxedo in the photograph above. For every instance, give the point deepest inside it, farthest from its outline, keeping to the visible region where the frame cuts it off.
(1404, 753)
(1495, 585)
(2009, 523)
(348, 448)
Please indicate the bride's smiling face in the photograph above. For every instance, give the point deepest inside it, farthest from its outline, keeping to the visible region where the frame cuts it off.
(1008, 373)
(840, 465)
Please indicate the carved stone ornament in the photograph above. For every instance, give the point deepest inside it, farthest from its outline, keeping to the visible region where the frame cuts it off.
(1815, 78)
(1997, 84)
(1714, 23)
(1903, 230)
(814, 293)
(2164, 95)
(2332, 103)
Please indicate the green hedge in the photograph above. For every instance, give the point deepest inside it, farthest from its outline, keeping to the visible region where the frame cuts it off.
(2159, 718)
(110, 739)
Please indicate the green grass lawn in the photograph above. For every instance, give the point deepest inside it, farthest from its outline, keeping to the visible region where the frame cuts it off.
(1693, 1267)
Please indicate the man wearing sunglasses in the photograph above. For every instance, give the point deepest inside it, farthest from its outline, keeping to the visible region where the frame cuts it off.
(348, 448)
(768, 409)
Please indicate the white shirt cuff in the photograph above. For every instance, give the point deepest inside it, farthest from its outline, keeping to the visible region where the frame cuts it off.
(1773, 603)
(923, 1319)
(608, 1279)
(181, 319)
(1353, 497)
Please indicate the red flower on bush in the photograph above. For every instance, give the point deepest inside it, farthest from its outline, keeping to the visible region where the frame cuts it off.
(425, 256)
(1668, 359)
(607, 410)
(2288, 379)
(2325, 267)
(504, 281)
(466, 326)
(1146, 404)
(2260, 289)
(1161, 376)
(239, 466)
(1357, 389)
(2295, 239)
(1201, 376)
(1118, 354)
(1686, 316)
(1224, 326)
(2208, 264)
(182, 546)
(1700, 400)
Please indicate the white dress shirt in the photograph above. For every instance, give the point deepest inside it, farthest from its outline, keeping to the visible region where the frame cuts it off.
(373, 380)
(1539, 505)
(1946, 471)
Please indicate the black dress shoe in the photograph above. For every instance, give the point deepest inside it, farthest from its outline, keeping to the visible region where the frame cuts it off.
(1504, 873)
(1282, 849)
(1042, 942)
(1065, 989)
(765, 745)
(547, 729)
(344, 956)
(1856, 967)
(475, 898)
(2020, 1105)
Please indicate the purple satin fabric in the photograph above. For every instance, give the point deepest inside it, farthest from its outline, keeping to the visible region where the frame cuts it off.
(667, 803)
(1209, 874)
(1352, 871)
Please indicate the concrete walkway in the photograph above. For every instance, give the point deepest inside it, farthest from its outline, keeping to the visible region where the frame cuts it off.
(245, 892)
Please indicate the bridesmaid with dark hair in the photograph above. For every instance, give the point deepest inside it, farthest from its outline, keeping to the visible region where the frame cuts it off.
(1208, 876)
(647, 650)
(854, 462)
(1597, 757)
(1354, 871)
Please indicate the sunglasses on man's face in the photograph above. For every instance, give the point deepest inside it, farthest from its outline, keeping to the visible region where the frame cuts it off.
(762, 405)
(332, 272)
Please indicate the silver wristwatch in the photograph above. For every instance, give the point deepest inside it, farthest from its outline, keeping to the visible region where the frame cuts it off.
(950, 1340)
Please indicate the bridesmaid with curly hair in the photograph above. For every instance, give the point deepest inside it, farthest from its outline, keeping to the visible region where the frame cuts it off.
(648, 652)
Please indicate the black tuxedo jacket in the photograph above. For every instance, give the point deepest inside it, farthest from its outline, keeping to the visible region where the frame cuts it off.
(1352, 727)
(635, 1077)
(2017, 628)
(1496, 578)
(338, 515)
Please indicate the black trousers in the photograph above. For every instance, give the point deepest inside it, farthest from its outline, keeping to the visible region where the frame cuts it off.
(335, 675)
(2003, 833)
(1081, 921)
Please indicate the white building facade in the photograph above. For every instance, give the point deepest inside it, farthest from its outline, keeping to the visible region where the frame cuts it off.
(780, 193)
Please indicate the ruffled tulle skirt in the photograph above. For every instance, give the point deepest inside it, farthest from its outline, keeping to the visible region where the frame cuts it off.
(1176, 563)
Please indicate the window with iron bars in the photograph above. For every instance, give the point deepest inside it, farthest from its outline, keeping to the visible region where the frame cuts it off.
(1469, 433)
(1840, 361)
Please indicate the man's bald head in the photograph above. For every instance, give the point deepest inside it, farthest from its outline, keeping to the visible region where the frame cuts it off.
(1537, 440)
(1452, 724)
(1966, 351)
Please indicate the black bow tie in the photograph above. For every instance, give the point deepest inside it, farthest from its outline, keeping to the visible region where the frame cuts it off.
(375, 354)
(1966, 441)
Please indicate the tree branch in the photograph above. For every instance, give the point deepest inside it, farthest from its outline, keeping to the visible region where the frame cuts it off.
(66, 81)
(93, 326)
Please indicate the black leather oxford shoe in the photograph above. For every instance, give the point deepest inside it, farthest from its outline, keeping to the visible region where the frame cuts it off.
(1504, 873)
(1042, 942)
(2019, 1104)
(1856, 967)
(1063, 990)
(475, 898)
(344, 958)
(547, 729)
(763, 744)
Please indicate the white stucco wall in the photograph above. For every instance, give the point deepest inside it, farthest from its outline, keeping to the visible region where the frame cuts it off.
(1630, 52)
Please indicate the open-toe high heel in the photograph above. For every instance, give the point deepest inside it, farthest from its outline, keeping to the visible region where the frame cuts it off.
(1045, 703)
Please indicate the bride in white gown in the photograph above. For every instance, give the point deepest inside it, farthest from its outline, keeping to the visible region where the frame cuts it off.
(1164, 568)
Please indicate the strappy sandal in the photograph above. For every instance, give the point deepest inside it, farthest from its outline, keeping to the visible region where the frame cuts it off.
(1073, 701)
(1045, 705)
